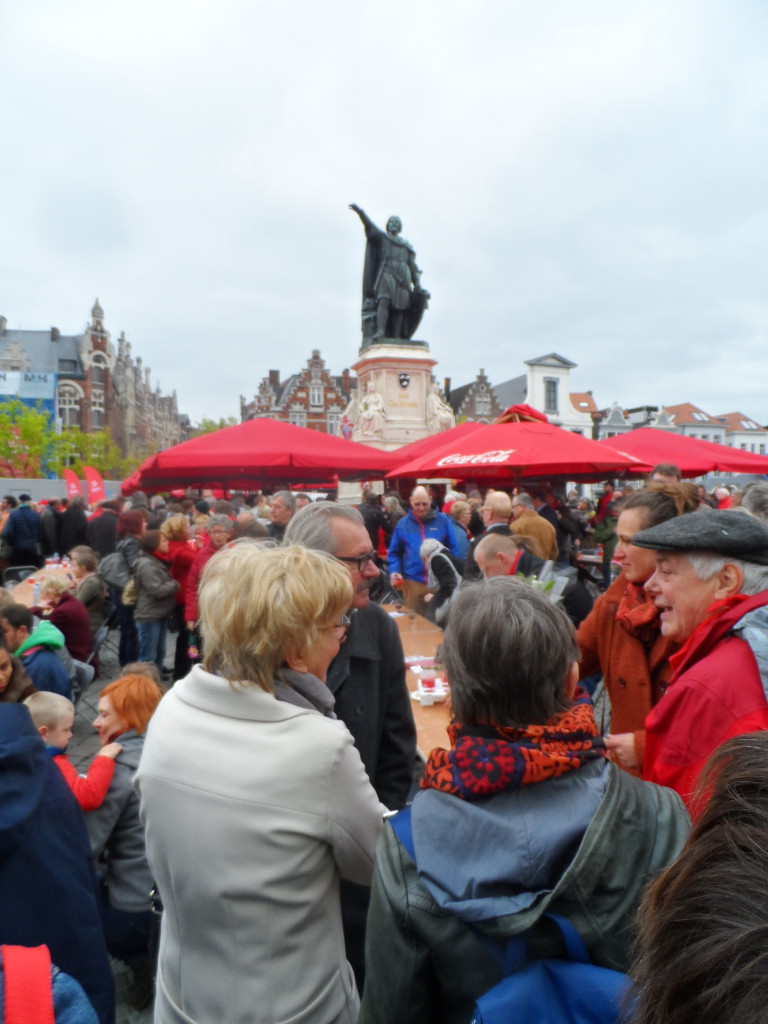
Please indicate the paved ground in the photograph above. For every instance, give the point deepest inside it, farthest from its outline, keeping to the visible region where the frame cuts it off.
(82, 750)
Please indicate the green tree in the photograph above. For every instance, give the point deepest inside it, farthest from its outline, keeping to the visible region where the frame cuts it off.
(207, 426)
(97, 450)
(30, 446)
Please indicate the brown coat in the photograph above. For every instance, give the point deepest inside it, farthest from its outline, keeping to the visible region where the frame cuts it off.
(635, 678)
(542, 533)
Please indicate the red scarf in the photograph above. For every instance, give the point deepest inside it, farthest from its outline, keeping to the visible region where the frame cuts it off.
(638, 615)
(487, 759)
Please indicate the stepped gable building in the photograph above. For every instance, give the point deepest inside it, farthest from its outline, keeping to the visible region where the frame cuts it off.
(313, 398)
(475, 402)
(95, 386)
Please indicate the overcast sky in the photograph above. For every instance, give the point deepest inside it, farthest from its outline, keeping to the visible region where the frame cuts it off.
(585, 178)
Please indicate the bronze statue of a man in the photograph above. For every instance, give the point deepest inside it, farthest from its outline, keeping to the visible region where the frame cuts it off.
(393, 299)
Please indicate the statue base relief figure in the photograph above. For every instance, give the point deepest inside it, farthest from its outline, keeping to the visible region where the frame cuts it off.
(394, 381)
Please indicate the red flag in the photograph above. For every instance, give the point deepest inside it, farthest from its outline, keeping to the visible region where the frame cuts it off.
(73, 484)
(96, 490)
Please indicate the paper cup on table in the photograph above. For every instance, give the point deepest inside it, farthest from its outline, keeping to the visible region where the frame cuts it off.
(427, 679)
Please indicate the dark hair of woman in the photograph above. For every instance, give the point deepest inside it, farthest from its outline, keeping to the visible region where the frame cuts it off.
(661, 502)
(702, 951)
(150, 541)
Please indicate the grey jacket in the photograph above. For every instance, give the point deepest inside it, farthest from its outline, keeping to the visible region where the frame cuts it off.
(156, 589)
(583, 845)
(117, 835)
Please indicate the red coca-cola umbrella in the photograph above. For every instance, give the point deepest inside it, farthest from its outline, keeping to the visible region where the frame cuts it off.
(693, 456)
(424, 445)
(525, 449)
(262, 453)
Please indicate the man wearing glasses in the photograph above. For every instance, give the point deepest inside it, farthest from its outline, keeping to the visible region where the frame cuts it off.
(496, 510)
(367, 679)
(406, 566)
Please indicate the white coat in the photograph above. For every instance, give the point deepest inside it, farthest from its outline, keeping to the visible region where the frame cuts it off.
(253, 810)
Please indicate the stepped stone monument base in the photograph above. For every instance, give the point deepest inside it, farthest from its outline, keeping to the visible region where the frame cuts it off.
(400, 373)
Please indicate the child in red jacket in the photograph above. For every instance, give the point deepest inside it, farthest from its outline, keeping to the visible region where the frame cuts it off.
(53, 717)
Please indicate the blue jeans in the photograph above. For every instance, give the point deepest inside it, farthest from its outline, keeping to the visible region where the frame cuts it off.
(152, 641)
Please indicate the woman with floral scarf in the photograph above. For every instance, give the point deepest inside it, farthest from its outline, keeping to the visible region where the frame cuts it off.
(522, 816)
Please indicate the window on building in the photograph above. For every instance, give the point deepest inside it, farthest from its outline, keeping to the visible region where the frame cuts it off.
(550, 394)
(483, 405)
(97, 410)
(98, 369)
(334, 423)
(316, 396)
(67, 366)
(762, 449)
(743, 447)
(299, 419)
(69, 406)
(717, 439)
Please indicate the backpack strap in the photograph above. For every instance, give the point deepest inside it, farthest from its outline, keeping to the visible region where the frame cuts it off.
(403, 829)
(28, 989)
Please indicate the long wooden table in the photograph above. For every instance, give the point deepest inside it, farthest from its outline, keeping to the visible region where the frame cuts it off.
(420, 639)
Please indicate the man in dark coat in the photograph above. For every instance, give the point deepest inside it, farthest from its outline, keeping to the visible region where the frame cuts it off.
(50, 522)
(101, 530)
(23, 532)
(367, 679)
(74, 524)
(48, 893)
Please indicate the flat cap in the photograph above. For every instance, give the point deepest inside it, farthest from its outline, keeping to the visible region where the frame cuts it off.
(723, 531)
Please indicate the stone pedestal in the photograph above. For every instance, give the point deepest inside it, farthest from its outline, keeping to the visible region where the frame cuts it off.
(401, 372)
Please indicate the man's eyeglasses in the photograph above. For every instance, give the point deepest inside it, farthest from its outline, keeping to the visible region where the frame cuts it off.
(360, 561)
(340, 630)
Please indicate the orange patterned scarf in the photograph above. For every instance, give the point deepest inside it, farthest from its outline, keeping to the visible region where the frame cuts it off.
(487, 759)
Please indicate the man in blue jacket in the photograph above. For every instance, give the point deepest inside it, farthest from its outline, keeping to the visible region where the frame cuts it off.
(406, 567)
(48, 892)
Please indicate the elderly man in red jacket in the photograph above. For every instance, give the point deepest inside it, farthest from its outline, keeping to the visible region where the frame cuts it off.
(711, 585)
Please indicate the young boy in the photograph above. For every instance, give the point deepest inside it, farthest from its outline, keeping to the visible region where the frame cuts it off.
(53, 716)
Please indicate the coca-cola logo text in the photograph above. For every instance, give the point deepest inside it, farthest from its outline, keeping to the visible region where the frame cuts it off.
(491, 458)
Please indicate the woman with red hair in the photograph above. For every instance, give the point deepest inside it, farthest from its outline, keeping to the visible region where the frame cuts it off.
(115, 830)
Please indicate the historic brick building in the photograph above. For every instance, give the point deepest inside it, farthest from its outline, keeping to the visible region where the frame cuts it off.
(94, 386)
(312, 398)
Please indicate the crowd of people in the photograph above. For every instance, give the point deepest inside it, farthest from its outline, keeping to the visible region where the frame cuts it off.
(260, 801)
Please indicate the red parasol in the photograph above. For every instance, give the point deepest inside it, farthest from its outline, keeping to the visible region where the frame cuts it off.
(693, 456)
(259, 453)
(501, 451)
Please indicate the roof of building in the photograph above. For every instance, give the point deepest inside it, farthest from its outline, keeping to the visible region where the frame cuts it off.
(547, 360)
(582, 401)
(737, 421)
(688, 413)
(43, 352)
(512, 392)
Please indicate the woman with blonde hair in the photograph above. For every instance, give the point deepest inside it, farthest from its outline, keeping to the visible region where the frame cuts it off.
(255, 800)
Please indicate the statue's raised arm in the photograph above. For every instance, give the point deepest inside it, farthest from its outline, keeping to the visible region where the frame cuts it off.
(393, 299)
